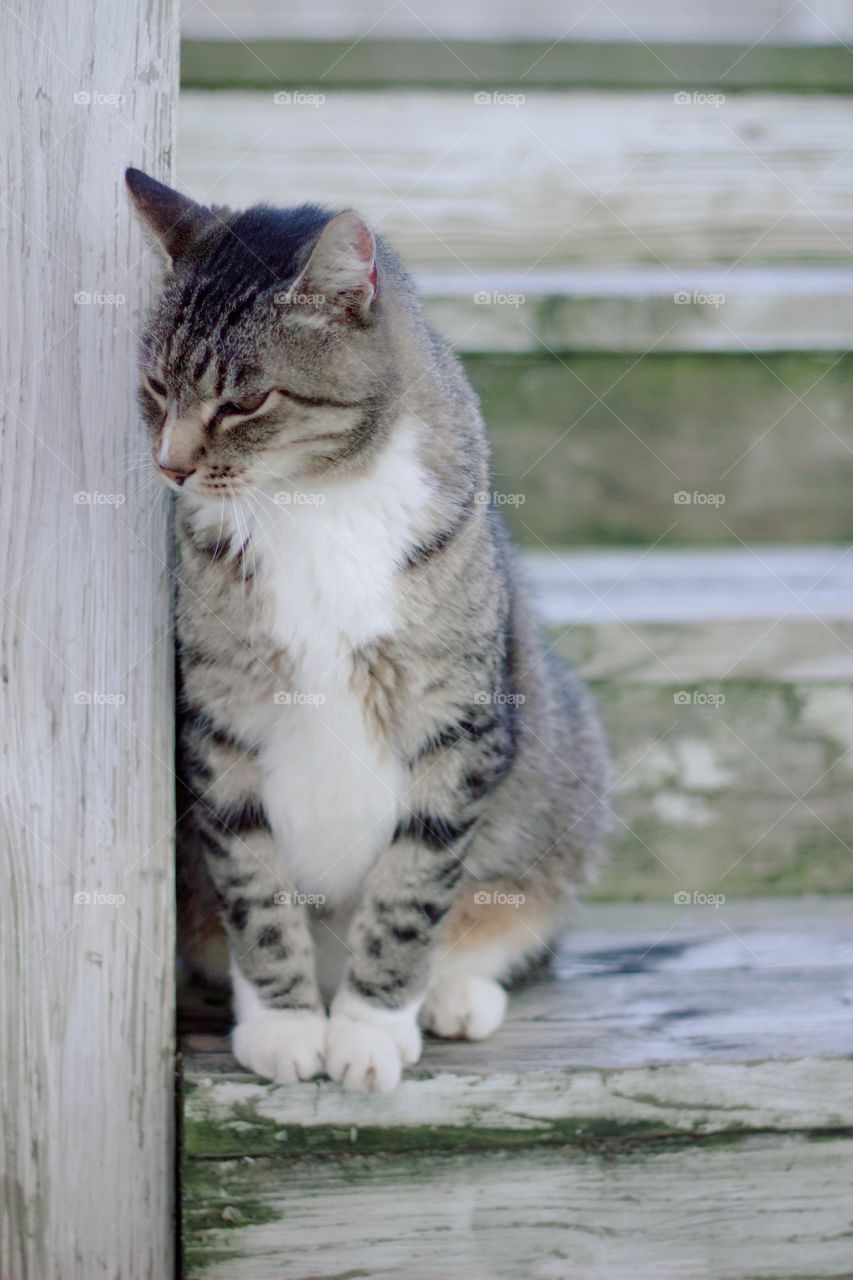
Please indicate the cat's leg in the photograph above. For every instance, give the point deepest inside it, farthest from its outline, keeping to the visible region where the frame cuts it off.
(373, 1025)
(373, 1028)
(493, 930)
(280, 1024)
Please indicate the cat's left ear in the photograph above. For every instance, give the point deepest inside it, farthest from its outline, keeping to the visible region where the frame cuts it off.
(176, 221)
(340, 277)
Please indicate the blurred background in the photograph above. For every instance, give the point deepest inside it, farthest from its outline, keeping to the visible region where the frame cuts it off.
(634, 221)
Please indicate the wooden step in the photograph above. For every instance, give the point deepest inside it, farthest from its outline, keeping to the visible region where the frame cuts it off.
(674, 1100)
(370, 44)
(641, 309)
(561, 179)
(511, 66)
(820, 22)
(600, 448)
(725, 681)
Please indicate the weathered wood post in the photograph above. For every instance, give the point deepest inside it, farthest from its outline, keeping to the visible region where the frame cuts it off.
(86, 809)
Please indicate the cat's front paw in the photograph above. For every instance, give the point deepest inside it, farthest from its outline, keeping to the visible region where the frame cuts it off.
(464, 1008)
(367, 1047)
(285, 1045)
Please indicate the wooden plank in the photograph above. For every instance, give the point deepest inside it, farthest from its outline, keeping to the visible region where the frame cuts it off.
(753, 1208)
(592, 449)
(726, 21)
(632, 616)
(759, 309)
(813, 650)
(594, 1020)
(223, 62)
(499, 1106)
(86, 916)
(647, 1024)
(696, 586)
(558, 180)
(726, 1025)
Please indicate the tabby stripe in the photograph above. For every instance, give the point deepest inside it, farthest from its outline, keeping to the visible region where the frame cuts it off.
(214, 550)
(240, 820)
(433, 831)
(206, 357)
(204, 724)
(432, 910)
(213, 847)
(467, 729)
(424, 551)
(321, 402)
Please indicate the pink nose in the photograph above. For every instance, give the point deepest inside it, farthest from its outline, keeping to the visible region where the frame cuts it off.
(177, 476)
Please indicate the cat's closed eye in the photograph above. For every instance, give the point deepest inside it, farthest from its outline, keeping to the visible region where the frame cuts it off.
(242, 408)
(156, 386)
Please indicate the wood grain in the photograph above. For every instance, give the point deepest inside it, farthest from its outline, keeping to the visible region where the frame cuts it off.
(556, 180)
(758, 1207)
(673, 1101)
(86, 927)
(636, 986)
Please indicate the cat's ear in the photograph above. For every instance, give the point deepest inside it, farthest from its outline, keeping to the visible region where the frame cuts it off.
(340, 277)
(174, 220)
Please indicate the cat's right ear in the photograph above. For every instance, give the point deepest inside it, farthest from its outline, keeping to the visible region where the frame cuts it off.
(174, 220)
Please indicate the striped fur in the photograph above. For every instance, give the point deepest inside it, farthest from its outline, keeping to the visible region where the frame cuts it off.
(373, 733)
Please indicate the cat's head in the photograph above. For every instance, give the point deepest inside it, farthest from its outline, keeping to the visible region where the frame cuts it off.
(267, 355)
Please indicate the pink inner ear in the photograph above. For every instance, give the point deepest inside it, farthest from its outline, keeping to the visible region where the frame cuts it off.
(362, 245)
(362, 242)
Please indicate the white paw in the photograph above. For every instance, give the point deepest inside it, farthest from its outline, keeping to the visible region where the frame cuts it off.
(464, 1008)
(367, 1048)
(285, 1045)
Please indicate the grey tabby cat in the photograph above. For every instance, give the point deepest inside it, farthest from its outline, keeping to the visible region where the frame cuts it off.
(392, 784)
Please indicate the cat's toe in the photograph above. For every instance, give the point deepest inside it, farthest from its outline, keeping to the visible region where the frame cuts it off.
(362, 1058)
(284, 1045)
(464, 1008)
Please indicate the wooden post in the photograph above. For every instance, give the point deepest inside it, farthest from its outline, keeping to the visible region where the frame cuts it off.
(86, 795)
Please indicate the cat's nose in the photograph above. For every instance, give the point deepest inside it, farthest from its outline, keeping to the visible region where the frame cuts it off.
(177, 476)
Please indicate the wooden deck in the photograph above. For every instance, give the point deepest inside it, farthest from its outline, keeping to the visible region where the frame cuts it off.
(674, 1099)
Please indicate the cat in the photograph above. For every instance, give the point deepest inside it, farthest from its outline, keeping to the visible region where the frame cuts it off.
(390, 788)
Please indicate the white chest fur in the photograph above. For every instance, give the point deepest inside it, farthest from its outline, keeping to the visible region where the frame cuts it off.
(330, 559)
